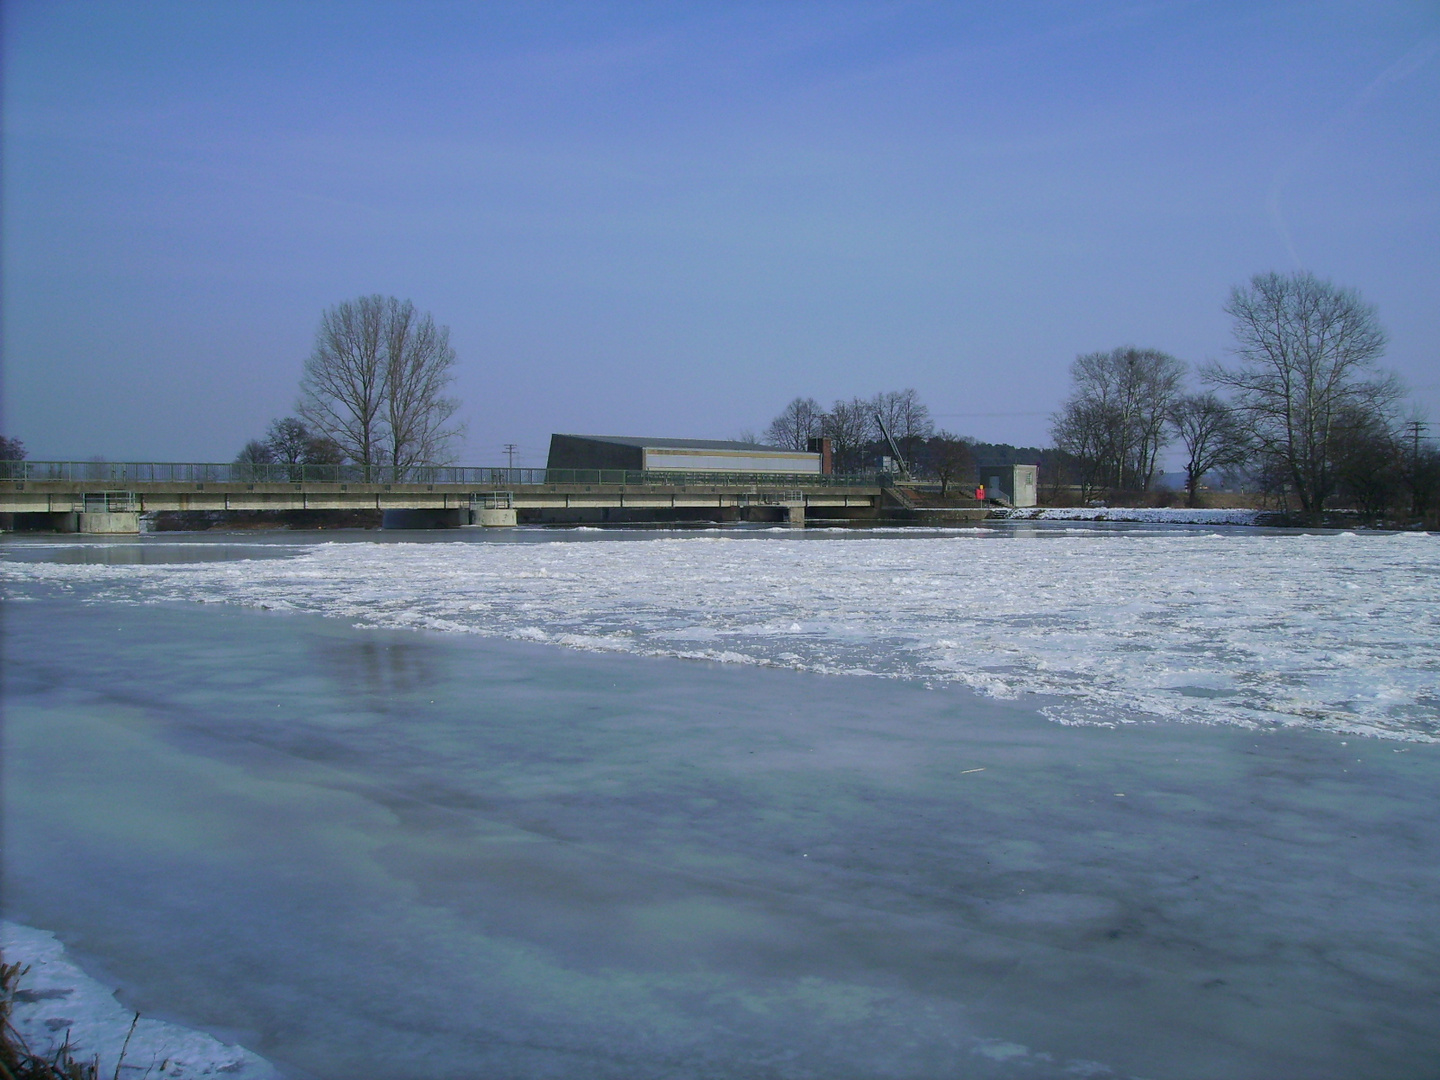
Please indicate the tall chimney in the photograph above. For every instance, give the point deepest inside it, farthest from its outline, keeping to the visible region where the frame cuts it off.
(820, 444)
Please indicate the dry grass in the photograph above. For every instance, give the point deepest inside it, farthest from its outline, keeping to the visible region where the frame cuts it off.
(19, 1062)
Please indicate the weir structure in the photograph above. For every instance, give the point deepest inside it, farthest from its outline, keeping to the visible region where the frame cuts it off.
(110, 497)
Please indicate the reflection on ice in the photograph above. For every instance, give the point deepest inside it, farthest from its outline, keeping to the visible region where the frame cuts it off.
(375, 671)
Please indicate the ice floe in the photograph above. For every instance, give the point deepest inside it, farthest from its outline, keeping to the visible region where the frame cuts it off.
(1335, 631)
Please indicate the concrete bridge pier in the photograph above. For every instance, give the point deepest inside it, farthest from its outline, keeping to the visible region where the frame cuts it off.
(495, 510)
(101, 523)
(108, 522)
(795, 516)
(493, 518)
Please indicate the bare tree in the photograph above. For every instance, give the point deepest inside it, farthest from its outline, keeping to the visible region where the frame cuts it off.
(342, 390)
(251, 462)
(797, 424)
(292, 444)
(1422, 478)
(952, 458)
(1081, 430)
(1212, 436)
(1370, 461)
(1114, 421)
(255, 452)
(375, 385)
(906, 417)
(323, 451)
(11, 450)
(848, 424)
(419, 366)
(1058, 474)
(1307, 351)
(289, 440)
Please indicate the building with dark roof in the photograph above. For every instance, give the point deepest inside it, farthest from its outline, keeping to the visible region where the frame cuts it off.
(678, 455)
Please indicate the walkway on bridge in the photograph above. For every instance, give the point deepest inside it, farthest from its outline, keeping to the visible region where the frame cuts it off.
(110, 496)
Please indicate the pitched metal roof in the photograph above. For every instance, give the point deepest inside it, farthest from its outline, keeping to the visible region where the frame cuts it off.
(680, 444)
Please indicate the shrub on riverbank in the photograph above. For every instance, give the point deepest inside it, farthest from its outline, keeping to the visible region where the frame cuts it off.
(17, 1061)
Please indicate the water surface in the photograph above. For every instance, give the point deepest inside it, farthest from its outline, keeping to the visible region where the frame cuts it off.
(409, 852)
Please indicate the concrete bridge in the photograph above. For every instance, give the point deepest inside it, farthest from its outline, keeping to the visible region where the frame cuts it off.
(109, 497)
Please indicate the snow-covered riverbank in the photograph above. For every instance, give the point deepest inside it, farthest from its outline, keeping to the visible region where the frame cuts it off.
(56, 1003)
(1153, 515)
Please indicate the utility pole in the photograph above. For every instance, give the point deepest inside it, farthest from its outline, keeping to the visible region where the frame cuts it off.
(510, 449)
(1416, 428)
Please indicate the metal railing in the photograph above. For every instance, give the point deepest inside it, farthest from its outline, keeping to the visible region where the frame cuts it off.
(169, 472)
(772, 498)
(493, 500)
(108, 502)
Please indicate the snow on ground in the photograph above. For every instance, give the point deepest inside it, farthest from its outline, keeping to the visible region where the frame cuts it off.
(56, 1002)
(1150, 514)
(1336, 632)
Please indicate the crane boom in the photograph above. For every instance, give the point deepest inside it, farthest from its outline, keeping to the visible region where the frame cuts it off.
(894, 449)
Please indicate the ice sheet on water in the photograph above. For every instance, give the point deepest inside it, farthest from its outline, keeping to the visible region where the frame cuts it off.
(1336, 632)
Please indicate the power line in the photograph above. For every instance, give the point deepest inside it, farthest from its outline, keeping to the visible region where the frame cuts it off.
(988, 415)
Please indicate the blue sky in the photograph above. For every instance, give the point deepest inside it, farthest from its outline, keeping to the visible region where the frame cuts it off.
(670, 219)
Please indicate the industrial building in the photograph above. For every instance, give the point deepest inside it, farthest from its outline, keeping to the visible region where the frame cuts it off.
(678, 455)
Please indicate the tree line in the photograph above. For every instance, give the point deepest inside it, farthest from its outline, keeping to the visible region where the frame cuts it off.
(11, 450)
(373, 394)
(1303, 411)
(853, 426)
(858, 442)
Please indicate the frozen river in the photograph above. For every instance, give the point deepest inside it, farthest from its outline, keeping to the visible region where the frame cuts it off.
(1029, 802)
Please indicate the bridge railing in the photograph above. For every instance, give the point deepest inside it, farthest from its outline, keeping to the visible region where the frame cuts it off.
(118, 472)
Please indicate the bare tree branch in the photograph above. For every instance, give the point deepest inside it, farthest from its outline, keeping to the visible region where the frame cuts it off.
(1307, 351)
(1212, 436)
(906, 417)
(374, 385)
(848, 424)
(418, 368)
(1114, 422)
(342, 390)
(797, 424)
